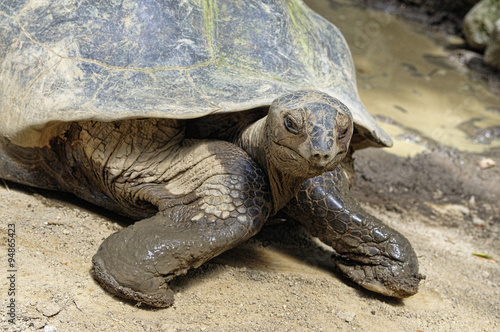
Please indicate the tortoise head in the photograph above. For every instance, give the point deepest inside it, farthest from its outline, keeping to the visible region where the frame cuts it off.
(308, 133)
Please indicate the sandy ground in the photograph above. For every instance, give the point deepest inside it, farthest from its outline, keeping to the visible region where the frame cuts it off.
(280, 280)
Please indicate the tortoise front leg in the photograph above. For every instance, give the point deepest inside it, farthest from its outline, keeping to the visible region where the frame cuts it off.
(196, 199)
(369, 252)
(217, 200)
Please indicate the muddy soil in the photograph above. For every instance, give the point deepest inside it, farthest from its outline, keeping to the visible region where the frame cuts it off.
(281, 280)
(438, 15)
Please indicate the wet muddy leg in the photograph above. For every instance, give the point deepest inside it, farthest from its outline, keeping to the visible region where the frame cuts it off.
(228, 205)
(368, 252)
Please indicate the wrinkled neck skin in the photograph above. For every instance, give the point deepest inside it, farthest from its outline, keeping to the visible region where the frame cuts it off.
(255, 141)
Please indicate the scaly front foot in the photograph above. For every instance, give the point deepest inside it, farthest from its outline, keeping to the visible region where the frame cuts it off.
(370, 253)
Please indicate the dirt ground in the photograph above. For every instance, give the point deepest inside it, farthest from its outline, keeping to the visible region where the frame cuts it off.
(280, 280)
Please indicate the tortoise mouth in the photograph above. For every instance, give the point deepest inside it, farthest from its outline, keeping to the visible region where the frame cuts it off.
(303, 166)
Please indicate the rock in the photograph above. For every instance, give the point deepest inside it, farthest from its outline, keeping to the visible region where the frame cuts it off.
(347, 316)
(48, 309)
(488, 162)
(39, 324)
(456, 210)
(479, 23)
(49, 328)
(492, 53)
(452, 210)
(478, 222)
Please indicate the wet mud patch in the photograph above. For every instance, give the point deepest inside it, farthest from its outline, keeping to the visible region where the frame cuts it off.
(449, 187)
(444, 16)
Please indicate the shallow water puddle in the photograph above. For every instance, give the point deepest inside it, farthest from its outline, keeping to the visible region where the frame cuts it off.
(406, 78)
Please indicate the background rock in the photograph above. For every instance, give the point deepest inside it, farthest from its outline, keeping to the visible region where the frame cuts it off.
(479, 23)
(492, 53)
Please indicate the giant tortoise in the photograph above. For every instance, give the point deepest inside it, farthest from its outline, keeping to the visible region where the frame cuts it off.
(201, 119)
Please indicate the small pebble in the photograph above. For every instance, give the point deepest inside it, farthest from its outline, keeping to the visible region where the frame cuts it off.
(48, 309)
(39, 324)
(347, 316)
(49, 328)
(478, 222)
(486, 163)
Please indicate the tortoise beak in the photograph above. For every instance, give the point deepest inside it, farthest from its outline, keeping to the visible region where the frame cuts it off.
(327, 159)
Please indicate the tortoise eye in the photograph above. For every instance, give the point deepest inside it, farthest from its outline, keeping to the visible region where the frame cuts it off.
(291, 125)
(343, 133)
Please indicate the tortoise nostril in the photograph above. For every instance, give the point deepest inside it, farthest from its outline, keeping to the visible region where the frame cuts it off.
(320, 158)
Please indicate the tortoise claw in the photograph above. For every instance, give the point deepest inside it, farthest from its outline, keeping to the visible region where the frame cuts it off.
(393, 279)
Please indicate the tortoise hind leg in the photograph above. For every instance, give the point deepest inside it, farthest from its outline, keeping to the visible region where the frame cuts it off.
(216, 202)
(369, 253)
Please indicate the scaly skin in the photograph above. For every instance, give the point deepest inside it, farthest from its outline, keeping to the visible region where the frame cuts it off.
(304, 134)
(229, 206)
(200, 196)
(211, 195)
(369, 252)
